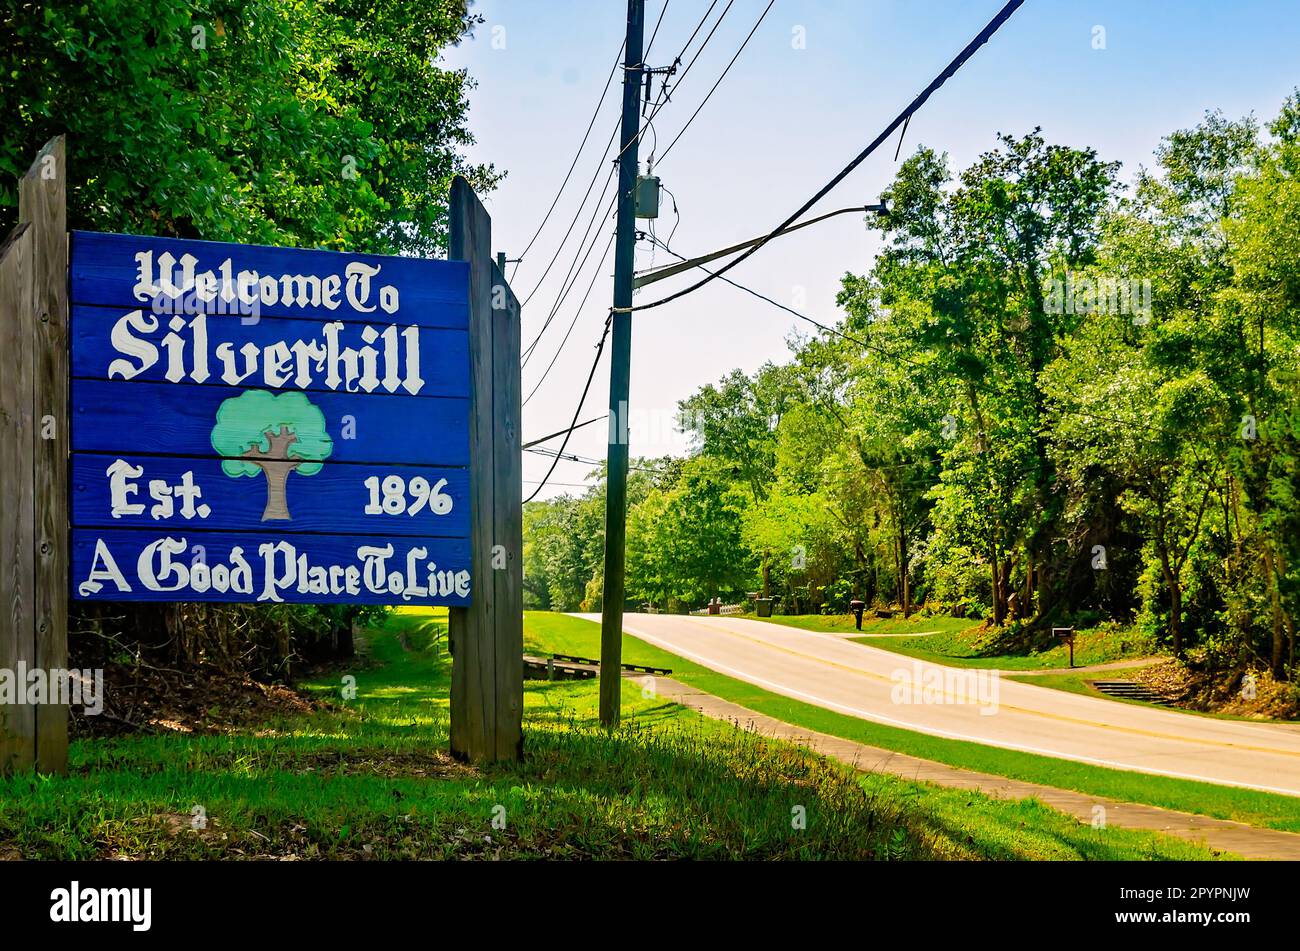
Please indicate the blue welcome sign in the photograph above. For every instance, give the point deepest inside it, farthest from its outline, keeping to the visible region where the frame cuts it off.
(254, 424)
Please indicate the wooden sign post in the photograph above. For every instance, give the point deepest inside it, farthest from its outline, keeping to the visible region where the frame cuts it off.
(257, 425)
(487, 639)
(33, 460)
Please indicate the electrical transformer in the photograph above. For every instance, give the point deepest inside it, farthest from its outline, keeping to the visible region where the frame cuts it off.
(647, 196)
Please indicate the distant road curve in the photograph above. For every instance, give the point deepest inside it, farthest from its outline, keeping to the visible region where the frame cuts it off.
(890, 688)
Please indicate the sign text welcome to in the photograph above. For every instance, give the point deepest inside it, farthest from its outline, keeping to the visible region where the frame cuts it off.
(267, 424)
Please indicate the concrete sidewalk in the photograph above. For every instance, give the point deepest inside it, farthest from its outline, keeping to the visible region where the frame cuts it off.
(1224, 835)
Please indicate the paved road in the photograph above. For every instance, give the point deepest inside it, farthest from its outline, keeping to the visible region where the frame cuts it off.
(979, 706)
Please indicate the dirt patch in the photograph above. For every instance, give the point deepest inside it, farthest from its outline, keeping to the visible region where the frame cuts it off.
(1254, 694)
(390, 765)
(202, 700)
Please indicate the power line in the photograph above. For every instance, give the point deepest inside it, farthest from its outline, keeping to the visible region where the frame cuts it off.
(574, 164)
(790, 310)
(586, 460)
(705, 100)
(663, 89)
(655, 32)
(704, 19)
(612, 135)
(532, 443)
(699, 26)
(663, 97)
(577, 312)
(981, 38)
(571, 276)
(660, 101)
(559, 249)
(654, 274)
(600, 348)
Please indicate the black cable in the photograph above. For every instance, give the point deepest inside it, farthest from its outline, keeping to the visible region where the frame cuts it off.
(713, 30)
(612, 136)
(534, 442)
(678, 221)
(600, 348)
(574, 164)
(655, 32)
(705, 100)
(575, 268)
(775, 303)
(661, 101)
(573, 323)
(587, 461)
(691, 39)
(920, 100)
(559, 249)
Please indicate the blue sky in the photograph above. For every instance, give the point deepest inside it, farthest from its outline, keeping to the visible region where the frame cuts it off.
(787, 119)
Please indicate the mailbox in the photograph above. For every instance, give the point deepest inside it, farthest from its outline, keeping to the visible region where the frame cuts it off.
(1066, 634)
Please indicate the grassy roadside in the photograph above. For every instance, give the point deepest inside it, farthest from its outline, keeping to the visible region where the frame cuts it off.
(843, 624)
(954, 642)
(958, 642)
(369, 778)
(1269, 810)
(1078, 683)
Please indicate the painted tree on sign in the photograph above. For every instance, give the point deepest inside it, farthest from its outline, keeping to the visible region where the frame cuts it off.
(259, 431)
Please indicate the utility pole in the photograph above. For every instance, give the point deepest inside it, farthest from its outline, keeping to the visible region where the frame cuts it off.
(611, 622)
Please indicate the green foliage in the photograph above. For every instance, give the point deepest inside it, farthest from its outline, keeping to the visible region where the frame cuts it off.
(371, 778)
(302, 123)
(564, 541)
(313, 123)
(1064, 401)
(251, 420)
(687, 538)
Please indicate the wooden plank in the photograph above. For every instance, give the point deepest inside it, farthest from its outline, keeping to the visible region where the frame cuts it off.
(42, 200)
(17, 488)
(224, 351)
(179, 418)
(473, 706)
(507, 577)
(302, 569)
(341, 497)
(105, 270)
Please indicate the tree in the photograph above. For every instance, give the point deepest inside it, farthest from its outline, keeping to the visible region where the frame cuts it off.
(263, 121)
(961, 282)
(260, 432)
(1120, 412)
(685, 542)
(735, 422)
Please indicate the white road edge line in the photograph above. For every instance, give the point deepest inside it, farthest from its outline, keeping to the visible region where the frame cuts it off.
(931, 731)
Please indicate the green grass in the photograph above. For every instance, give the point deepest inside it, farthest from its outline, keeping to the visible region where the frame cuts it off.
(370, 778)
(843, 623)
(1078, 683)
(1270, 810)
(958, 642)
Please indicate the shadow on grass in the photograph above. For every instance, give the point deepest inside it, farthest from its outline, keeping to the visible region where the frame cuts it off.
(371, 778)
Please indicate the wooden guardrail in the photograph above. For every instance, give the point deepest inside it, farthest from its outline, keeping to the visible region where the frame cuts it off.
(548, 668)
(641, 668)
